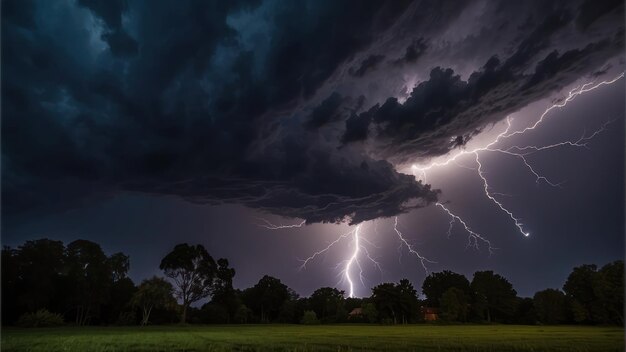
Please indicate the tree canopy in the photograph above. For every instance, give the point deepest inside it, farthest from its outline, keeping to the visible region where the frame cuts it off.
(193, 272)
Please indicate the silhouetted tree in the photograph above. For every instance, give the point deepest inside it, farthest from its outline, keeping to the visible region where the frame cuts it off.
(613, 295)
(597, 296)
(327, 302)
(494, 295)
(40, 266)
(585, 286)
(397, 303)
(385, 299)
(153, 293)
(193, 271)
(454, 305)
(266, 297)
(243, 314)
(370, 313)
(224, 294)
(551, 306)
(118, 308)
(436, 284)
(409, 304)
(525, 312)
(90, 277)
(10, 277)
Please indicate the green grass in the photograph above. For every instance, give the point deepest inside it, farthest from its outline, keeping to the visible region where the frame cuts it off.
(317, 338)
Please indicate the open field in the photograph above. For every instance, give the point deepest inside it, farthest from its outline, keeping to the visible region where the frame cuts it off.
(317, 338)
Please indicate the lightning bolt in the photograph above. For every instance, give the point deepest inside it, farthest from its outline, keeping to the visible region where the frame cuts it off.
(475, 239)
(519, 152)
(359, 245)
(270, 226)
(587, 87)
(353, 259)
(325, 249)
(423, 260)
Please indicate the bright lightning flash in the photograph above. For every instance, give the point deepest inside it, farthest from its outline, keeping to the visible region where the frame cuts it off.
(270, 226)
(420, 172)
(517, 151)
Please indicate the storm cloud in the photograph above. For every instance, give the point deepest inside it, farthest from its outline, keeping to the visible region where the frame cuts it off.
(302, 109)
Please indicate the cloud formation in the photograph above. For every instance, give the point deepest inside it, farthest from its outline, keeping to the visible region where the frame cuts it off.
(301, 109)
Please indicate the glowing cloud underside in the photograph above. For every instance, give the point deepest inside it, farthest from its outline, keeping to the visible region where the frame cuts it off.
(475, 239)
(519, 152)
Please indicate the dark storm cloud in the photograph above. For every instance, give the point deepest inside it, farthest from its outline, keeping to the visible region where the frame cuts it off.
(235, 101)
(327, 111)
(443, 112)
(413, 52)
(175, 108)
(120, 42)
(369, 64)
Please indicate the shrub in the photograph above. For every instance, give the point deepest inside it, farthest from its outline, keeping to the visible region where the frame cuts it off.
(309, 318)
(39, 319)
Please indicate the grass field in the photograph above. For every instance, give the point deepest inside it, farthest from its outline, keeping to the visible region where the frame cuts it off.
(317, 338)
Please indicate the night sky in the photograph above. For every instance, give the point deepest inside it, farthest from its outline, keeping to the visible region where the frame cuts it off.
(143, 124)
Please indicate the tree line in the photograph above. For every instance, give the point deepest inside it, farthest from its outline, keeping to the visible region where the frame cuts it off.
(45, 282)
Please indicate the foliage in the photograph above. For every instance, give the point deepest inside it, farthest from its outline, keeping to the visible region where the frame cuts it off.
(525, 313)
(40, 319)
(453, 305)
(193, 271)
(396, 303)
(328, 303)
(370, 313)
(436, 284)
(597, 296)
(151, 293)
(266, 297)
(243, 314)
(224, 294)
(309, 318)
(613, 295)
(90, 288)
(494, 295)
(551, 306)
(79, 281)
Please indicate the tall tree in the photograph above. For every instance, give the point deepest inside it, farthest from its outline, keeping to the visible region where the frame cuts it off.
(119, 263)
(597, 295)
(90, 276)
(496, 293)
(326, 302)
(385, 298)
(193, 271)
(224, 294)
(613, 276)
(551, 306)
(437, 283)
(396, 302)
(586, 287)
(266, 297)
(10, 285)
(454, 305)
(152, 293)
(40, 264)
(408, 302)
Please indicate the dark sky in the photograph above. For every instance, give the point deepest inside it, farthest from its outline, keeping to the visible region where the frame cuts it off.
(142, 124)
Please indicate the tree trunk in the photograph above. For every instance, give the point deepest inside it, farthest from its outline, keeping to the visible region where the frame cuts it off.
(146, 315)
(183, 318)
(488, 316)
